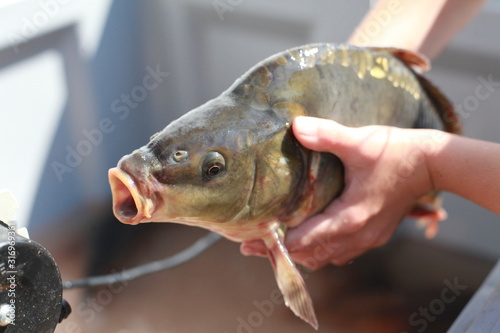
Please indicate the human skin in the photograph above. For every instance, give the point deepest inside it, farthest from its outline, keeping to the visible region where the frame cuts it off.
(388, 169)
(424, 26)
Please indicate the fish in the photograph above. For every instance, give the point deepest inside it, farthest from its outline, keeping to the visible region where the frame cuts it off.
(233, 166)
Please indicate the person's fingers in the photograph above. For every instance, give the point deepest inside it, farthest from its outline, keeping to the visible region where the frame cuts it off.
(322, 135)
(341, 250)
(254, 248)
(323, 236)
(340, 234)
(329, 237)
(338, 219)
(375, 234)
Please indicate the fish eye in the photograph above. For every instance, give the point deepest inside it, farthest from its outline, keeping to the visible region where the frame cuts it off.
(214, 164)
(214, 170)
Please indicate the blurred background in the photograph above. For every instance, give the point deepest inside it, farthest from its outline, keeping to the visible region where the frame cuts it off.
(84, 82)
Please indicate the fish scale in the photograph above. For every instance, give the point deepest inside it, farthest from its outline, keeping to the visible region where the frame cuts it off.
(233, 166)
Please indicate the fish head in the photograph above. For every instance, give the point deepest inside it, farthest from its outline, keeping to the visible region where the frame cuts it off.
(217, 164)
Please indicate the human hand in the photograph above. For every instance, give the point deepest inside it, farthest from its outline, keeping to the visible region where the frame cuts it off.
(386, 173)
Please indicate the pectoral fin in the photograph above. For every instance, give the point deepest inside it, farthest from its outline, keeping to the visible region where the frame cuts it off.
(289, 280)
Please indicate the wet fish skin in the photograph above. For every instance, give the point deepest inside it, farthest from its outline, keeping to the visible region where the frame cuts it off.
(233, 166)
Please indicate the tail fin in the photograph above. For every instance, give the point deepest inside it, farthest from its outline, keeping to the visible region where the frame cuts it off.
(289, 280)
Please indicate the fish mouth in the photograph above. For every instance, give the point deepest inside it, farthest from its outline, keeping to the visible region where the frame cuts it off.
(129, 206)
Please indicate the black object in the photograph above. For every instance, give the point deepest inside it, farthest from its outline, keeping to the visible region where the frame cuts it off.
(30, 286)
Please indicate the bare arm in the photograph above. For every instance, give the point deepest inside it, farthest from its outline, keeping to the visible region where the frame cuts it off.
(374, 201)
(424, 26)
(469, 168)
(387, 170)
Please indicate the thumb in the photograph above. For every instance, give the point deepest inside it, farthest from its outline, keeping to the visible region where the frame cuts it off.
(323, 135)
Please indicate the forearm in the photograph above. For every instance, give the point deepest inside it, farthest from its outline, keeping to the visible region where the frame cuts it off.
(469, 168)
(423, 26)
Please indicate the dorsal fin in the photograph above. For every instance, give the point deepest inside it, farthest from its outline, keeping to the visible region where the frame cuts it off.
(445, 109)
(409, 58)
(443, 106)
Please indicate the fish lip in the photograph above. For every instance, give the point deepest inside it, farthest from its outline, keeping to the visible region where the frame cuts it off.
(129, 205)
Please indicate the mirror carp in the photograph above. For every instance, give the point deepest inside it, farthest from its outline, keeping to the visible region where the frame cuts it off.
(233, 166)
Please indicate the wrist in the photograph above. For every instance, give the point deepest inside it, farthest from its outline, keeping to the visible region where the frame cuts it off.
(433, 146)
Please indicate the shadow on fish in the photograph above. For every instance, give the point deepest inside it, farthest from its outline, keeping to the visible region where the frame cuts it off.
(234, 167)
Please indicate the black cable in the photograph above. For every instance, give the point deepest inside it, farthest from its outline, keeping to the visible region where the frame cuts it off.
(177, 259)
